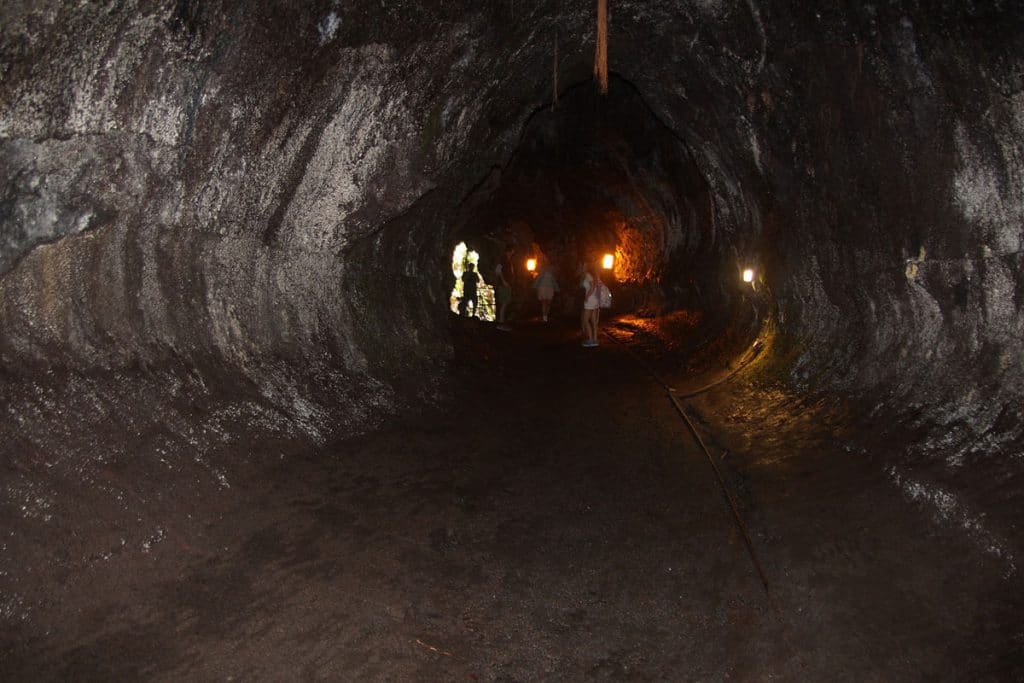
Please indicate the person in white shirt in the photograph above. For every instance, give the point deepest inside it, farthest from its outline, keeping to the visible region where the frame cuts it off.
(591, 305)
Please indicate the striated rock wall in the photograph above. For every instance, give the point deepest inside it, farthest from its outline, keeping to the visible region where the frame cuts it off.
(261, 195)
(213, 171)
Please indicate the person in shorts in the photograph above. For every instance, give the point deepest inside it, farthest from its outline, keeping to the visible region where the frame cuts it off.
(546, 285)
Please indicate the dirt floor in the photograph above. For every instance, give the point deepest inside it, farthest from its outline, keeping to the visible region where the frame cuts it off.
(556, 522)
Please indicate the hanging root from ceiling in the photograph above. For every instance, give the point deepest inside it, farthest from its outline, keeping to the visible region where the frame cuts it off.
(601, 48)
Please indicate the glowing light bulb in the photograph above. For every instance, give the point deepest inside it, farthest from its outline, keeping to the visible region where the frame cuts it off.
(608, 261)
(531, 264)
(748, 275)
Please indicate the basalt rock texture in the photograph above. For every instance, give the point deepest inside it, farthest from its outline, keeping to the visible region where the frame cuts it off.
(234, 218)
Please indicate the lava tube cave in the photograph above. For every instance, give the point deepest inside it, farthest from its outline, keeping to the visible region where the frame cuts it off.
(252, 428)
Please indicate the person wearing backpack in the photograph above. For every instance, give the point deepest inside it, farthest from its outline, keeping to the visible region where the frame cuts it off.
(591, 284)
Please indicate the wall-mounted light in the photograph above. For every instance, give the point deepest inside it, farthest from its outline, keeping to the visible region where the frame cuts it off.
(531, 264)
(748, 275)
(608, 261)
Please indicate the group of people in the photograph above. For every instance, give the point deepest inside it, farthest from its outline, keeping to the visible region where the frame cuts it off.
(546, 285)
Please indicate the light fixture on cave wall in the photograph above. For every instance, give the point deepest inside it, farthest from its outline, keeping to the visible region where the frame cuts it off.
(484, 308)
(749, 277)
(614, 261)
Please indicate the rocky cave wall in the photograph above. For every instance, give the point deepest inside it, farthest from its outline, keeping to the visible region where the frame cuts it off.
(222, 188)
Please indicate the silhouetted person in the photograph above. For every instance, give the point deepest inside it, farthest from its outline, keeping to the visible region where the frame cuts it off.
(470, 279)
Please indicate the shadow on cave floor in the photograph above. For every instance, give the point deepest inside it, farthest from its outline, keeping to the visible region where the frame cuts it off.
(557, 522)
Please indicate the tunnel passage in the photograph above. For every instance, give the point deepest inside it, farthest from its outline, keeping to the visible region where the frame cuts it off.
(227, 223)
(599, 175)
(239, 219)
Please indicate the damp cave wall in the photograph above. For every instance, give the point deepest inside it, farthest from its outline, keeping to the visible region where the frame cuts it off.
(261, 193)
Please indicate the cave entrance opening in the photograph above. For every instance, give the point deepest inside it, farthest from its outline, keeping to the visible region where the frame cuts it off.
(466, 264)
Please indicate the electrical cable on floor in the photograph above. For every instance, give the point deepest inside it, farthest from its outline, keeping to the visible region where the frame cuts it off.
(755, 351)
(786, 628)
(730, 503)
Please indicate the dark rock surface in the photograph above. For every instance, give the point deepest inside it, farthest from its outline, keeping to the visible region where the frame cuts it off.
(229, 223)
(517, 537)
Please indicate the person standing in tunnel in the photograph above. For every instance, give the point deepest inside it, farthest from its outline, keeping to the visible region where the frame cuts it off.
(470, 279)
(505, 271)
(591, 304)
(546, 285)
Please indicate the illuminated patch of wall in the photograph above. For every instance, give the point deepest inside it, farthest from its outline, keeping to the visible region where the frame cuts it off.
(638, 249)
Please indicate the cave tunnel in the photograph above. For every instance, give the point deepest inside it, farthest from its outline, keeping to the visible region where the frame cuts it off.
(246, 437)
